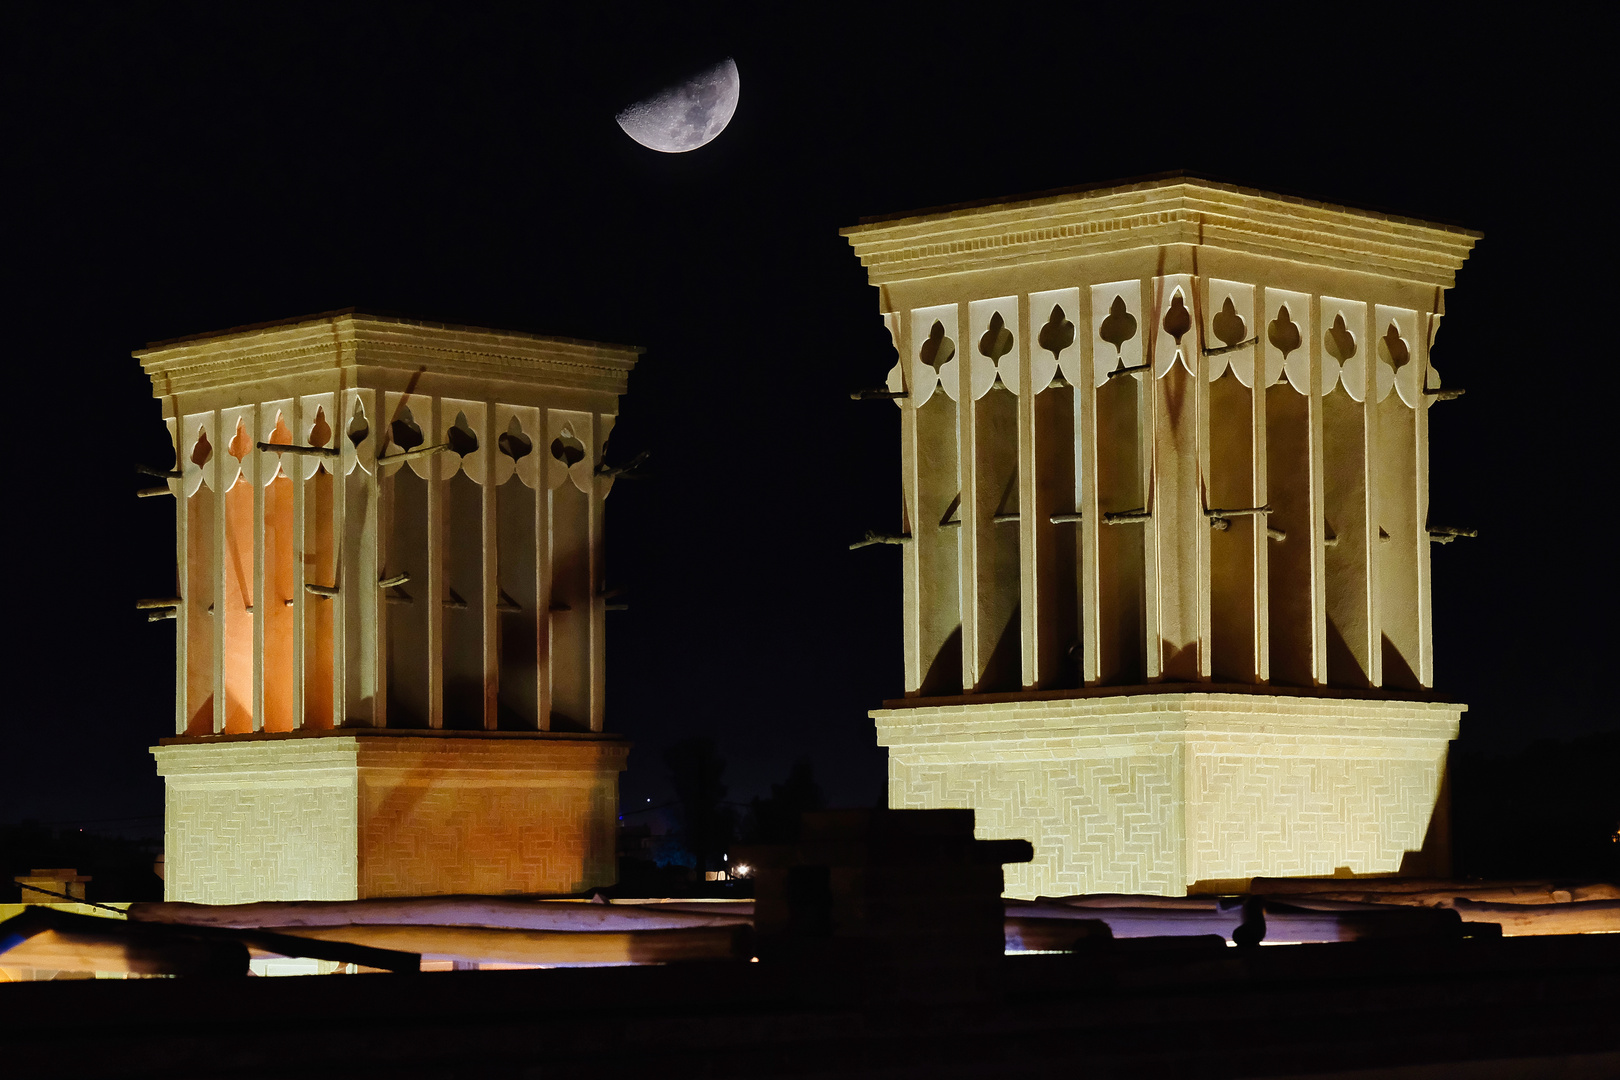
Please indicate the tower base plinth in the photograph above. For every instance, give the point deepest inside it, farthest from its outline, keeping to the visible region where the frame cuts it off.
(1154, 792)
(359, 813)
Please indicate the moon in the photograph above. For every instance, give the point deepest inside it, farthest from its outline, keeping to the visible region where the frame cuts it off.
(687, 115)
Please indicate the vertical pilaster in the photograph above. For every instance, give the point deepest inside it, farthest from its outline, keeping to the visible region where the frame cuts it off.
(217, 464)
(1085, 494)
(967, 461)
(250, 473)
(1029, 584)
(1261, 492)
(1318, 516)
(910, 554)
(597, 577)
(300, 543)
(182, 573)
(434, 593)
(1147, 426)
(341, 576)
(542, 571)
(491, 568)
(1199, 501)
(1425, 547)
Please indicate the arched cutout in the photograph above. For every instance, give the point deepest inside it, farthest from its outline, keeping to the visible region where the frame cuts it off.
(513, 443)
(405, 432)
(1339, 342)
(938, 350)
(1229, 325)
(358, 428)
(996, 341)
(203, 452)
(280, 434)
(241, 443)
(1393, 348)
(320, 432)
(1119, 327)
(1283, 333)
(1057, 334)
(567, 449)
(1177, 320)
(461, 437)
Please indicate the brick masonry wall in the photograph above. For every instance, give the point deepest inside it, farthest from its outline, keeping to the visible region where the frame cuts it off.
(260, 821)
(341, 817)
(1151, 793)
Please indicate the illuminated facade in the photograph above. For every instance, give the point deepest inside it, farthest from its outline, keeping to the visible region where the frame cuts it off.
(390, 614)
(1166, 542)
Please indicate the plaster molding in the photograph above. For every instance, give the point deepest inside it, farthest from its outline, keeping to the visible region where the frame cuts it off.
(1180, 210)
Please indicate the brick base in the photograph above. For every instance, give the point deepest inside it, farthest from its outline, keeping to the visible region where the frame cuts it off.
(1150, 793)
(349, 815)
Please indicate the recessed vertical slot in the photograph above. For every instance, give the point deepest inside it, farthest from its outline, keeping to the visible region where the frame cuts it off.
(570, 608)
(995, 443)
(200, 612)
(320, 569)
(1057, 547)
(938, 535)
(357, 576)
(280, 573)
(1178, 518)
(1121, 650)
(1288, 492)
(463, 601)
(406, 607)
(1344, 456)
(238, 613)
(1396, 520)
(517, 704)
(1231, 550)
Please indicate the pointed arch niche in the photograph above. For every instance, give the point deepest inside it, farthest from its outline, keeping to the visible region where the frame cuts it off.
(569, 464)
(520, 654)
(934, 476)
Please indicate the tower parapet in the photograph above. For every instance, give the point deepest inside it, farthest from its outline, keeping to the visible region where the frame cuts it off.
(1165, 445)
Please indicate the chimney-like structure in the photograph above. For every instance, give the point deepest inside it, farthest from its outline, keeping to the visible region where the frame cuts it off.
(390, 610)
(1166, 542)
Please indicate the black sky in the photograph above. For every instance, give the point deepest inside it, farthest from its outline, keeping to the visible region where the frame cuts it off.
(176, 168)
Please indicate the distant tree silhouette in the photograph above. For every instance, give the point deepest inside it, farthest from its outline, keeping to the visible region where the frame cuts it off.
(775, 820)
(697, 773)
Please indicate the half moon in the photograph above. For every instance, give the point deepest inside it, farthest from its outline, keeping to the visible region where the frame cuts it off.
(687, 115)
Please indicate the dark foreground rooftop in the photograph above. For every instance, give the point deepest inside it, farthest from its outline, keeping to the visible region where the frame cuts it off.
(1183, 1007)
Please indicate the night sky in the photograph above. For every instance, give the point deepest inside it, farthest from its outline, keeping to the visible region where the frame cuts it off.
(178, 168)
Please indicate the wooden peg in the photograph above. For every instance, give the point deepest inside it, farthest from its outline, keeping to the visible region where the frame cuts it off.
(1127, 517)
(872, 538)
(878, 393)
(162, 602)
(326, 592)
(306, 451)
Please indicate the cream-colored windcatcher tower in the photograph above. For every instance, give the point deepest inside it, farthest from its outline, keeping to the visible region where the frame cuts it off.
(1166, 536)
(390, 612)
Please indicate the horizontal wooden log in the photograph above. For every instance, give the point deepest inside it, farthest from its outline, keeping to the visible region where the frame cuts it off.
(487, 911)
(490, 945)
(79, 951)
(1522, 920)
(1022, 933)
(153, 492)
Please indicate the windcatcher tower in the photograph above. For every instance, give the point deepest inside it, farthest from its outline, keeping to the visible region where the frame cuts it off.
(1166, 539)
(389, 669)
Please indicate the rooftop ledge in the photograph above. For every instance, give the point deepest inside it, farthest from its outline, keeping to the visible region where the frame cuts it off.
(1160, 210)
(1160, 690)
(395, 733)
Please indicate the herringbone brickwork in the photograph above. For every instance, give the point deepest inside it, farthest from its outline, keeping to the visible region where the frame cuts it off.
(1151, 793)
(341, 817)
(420, 838)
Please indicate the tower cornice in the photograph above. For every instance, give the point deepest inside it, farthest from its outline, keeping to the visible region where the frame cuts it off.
(1157, 212)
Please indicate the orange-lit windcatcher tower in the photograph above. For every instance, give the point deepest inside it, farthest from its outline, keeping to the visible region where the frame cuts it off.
(1166, 546)
(390, 614)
